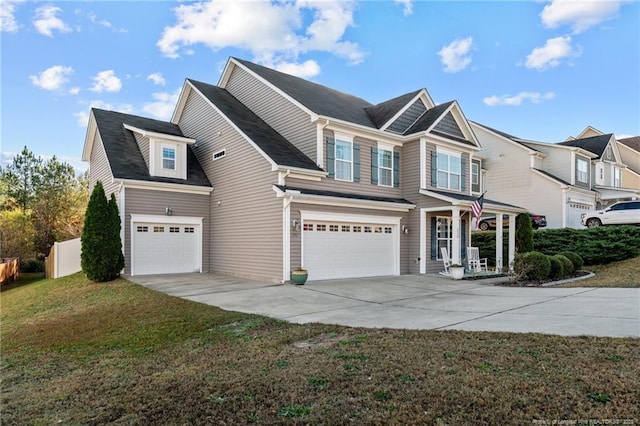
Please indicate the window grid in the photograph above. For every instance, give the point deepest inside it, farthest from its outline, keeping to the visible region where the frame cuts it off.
(307, 227)
(583, 174)
(346, 228)
(321, 228)
(385, 167)
(344, 160)
(449, 171)
(357, 228)
(189, 230)
(367, 229)
(174, 229)
(169, 158)
(333, 228)
(142, 229)
(158, 229)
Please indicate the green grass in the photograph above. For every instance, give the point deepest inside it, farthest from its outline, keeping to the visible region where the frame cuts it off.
(75, 352)
(625, 273)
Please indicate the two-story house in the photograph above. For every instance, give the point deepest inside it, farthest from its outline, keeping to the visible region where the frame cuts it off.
(630, 153)
(560, 180)
(266, 172)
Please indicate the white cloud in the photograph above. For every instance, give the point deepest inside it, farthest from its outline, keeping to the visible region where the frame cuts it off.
(82, 117)
(455, 56)
(103, 22)
(8, 21)
(306, 69)
(74, 90)
(106, 81)
(157, 79)
(273, 31)
(551, 54)
(534, 97)
(164, 104)
(46, 21)
(407, 6)
(52, 78)
(579, 15)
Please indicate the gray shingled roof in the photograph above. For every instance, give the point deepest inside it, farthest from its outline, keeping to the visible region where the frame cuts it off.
(124, 156)
(554, 177)
(272, 143)
(428, 118)
(506, 135)
(384, 111)
(320, 99)
(345, 195)
(633, 142)
(595, 144)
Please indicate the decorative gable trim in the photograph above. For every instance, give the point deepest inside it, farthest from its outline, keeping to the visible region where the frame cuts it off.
(456, 112)
(92, 128)
(423, 96)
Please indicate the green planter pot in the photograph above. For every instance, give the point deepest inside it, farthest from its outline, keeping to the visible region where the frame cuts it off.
(299, 277)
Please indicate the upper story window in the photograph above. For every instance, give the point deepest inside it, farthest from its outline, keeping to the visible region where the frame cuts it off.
(385, 167)
(616, 177)
(582, 170)
(449, 166)
(344, 160)
(475, 174)
(168, 158)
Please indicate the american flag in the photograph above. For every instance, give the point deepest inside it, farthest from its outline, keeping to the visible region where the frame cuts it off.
(476, 208)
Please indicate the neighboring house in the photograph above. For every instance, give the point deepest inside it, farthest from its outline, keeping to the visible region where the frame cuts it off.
(543, 178)
(630, 154)
(560, 180)
(266, 172)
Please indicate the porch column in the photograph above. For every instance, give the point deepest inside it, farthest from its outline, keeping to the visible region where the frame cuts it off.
(512, 240)
(455, 235)
(499, 242)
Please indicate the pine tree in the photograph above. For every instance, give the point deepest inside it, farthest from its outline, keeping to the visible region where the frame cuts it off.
(524, 233)
(101, 255)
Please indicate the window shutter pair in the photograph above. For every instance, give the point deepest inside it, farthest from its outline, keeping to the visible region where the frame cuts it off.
(374, 167)
(331, 159)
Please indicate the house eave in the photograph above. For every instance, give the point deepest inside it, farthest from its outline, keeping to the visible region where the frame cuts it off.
(92, 128)
(163, 186)
(487, 205)
(156, 135)
(298, 197)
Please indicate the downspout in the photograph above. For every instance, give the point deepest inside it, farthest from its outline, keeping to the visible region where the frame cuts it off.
(121, 208)
(286, 238)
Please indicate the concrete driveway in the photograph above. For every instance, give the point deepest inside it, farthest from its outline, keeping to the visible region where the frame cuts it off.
(427, 302)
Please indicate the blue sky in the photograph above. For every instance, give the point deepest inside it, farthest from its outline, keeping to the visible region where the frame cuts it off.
(541, 70)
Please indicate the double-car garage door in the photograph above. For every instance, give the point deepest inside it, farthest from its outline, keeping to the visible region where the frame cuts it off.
(165, 248)
(350, 249)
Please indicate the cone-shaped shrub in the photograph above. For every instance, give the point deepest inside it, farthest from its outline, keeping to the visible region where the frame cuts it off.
(101, 255)
(524, 233)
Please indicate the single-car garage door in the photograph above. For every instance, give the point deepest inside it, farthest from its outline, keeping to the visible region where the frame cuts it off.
(165, 248)
(349, 249)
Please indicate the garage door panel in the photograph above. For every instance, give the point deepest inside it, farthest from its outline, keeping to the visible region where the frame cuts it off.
(344, 250)
(163, 248)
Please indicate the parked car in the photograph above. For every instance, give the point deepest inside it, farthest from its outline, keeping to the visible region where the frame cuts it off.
(537, 221)
(622, 213)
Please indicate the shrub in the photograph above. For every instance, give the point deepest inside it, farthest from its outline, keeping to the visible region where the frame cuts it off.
(524, 233)
(575, 259)
(533, 266)
(568, 264)
(557, 268)
(101, 254)
(32, 265)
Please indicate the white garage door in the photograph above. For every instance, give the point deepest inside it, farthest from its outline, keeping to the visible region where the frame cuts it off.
(574, 211)
(349, 249)
(165, 248)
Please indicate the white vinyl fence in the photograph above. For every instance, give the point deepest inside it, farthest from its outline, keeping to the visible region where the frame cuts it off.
(64, 259)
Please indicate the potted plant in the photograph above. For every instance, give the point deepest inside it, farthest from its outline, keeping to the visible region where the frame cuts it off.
(457, 271)
(299, 276)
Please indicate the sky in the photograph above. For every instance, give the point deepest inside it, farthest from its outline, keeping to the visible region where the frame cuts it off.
(540, 70)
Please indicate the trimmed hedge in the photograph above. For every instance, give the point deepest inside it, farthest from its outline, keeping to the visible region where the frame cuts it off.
(569, 269)
(596, 246)
(575, 259)
(532, 265)
(557, 268)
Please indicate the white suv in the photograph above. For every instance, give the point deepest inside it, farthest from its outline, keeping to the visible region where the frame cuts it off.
(622, 213)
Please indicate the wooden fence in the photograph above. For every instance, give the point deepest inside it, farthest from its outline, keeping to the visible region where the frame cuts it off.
(9, 270)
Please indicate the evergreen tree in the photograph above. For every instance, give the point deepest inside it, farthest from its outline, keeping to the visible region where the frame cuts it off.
(524, 233)
(101, 254)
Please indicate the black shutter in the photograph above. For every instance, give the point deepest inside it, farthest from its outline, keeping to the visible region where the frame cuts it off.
(331, 157)
(434, 241)
(356, 162)
(463, 174)
(374, 165)
(463, 238)
(396, 169)
(434, 168)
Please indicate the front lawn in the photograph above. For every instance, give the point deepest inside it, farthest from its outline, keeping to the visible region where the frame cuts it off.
(625, 273)
(75, 352)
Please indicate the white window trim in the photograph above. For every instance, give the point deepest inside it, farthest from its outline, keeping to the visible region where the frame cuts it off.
(477, 174)
(450, 154)
(340, 137)
(617, 180)
(586, 172)
(389, 148)
(174, 159)
(449, 240)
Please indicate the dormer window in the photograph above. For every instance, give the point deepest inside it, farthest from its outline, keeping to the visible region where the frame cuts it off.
(582, 173)
(168, 158)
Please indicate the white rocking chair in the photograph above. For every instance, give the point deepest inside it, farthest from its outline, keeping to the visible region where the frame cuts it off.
(475, 263)
(446, 260)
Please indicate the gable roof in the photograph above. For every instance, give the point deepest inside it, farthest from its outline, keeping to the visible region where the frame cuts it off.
(272, 143)
(428, 118)
(633, 142)
(512, 138)
(124, 156)
(381, 113)
(319, 99)
(595, 144)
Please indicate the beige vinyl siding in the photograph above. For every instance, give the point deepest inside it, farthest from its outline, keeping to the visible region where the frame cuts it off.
(296, 235)
(364, 187)
(246, 217)
(143, 145)
(152, 202)
(100, 169)
(630, 179)
(558, 162)
(509, 179)
(278, 112)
